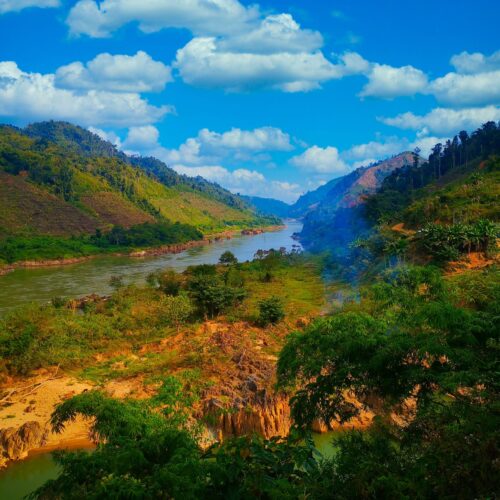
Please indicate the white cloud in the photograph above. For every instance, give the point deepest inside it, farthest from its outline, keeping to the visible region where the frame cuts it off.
(388, 82)
(444, 120)
(17, 5)
(142, 138)
(244, 181)
(203, 63)
(278, 33)
(120, 73)
(366, 153)
(210, 147)
(425, 144)
(109, 136)
(476, 63)
(374, 151)
(34, 96)
(467, 89)
(364, 163)
(202, 17)
(259, 139)
(320, 160)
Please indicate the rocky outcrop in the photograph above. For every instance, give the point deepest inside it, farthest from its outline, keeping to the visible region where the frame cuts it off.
(15, 443)
(268, 417)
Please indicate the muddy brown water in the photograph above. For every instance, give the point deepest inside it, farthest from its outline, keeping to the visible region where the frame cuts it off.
(41, 285)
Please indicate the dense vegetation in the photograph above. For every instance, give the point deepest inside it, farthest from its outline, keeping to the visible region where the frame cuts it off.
(447, 163)
(25, 248)
(414, 338)
(416, 343)
(69, 333)
(60, 182)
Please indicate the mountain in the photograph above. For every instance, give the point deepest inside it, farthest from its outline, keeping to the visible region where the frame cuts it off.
(332, 213)
(60, 180)
(85, 143)
(268, 206)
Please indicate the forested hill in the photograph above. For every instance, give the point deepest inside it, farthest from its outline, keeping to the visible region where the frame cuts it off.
(59, 181)
(268, 206)
(83, 142)
(441, 209)
(332, 213)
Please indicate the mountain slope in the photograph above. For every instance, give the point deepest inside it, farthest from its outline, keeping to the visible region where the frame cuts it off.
(268, 206)
(336, 214)
(96, 186)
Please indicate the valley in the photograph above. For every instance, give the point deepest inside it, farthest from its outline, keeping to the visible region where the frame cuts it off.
(362, 321)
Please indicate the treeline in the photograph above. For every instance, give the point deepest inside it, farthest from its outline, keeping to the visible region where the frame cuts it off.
(402, 187)
(56, 168)
(24, 248)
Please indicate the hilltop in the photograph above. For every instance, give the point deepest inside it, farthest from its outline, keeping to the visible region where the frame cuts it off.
(59, 181)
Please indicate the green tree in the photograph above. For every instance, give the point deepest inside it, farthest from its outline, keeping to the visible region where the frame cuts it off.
(271, 311)
(176, 310)
(228, 258)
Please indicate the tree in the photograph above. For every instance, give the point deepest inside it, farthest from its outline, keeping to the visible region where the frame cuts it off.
(169, 282)
(228, 258)
(271, 311)
(176, 310)
(212, 296)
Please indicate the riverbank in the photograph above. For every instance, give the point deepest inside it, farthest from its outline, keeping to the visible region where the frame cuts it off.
(145, 252)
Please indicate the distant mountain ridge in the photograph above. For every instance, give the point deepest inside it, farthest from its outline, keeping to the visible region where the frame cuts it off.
(86, 143)
(332, 213)
(268, 206)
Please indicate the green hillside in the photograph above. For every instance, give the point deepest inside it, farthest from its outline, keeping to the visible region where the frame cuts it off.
(446, 210)
(60, 180)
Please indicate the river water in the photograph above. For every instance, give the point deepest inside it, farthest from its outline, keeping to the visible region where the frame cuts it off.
(42, 284)
(76, 280)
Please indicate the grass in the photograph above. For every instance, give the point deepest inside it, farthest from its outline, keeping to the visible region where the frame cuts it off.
(130, 335)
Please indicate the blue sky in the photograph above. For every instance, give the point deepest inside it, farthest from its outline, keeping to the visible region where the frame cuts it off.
(269, 99)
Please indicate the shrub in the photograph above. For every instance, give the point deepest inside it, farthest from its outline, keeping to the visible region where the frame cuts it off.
(271, 311)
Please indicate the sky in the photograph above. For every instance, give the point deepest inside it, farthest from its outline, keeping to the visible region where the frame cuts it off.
(270, 99)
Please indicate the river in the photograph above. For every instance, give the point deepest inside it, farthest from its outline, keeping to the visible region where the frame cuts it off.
(42, 284)
(76, 280)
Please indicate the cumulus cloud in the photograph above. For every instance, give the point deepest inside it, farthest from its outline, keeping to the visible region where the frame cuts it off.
(119, 73)
(34, 96)
(201, 17)
(320, 160)
(445, 120)
(210, 147)
(258, 139)
(375, 150)
(244, 181)
(276, 33)
(142, 138)
(467, 89)
(203, 63)
(388, 82)
(17, 5)
(475, 63)
(109, 136)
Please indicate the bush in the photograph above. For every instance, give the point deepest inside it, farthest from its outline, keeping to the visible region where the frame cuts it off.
(169, 282)
(212, 296)
(271, 311)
